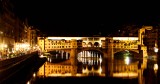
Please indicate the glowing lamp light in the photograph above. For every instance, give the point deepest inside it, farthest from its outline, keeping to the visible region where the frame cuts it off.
(155, 67)
(5, 45)
(127, 60)
(155, 49)
(34, 75)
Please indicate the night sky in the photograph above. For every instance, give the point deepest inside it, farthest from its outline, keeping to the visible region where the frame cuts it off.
(85, 17)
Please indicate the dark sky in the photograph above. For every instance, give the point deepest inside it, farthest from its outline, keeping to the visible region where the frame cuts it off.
(85, 17)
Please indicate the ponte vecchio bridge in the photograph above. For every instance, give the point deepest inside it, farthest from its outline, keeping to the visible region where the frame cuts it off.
(107, 46)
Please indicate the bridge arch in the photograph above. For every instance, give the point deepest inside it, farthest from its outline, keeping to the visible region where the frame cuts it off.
(125, 53)
(96, 51)
(90, 70)
(90, 44)
(119, 50)
(96, 44)
(60, 50)
(84, 44)
(60, 53)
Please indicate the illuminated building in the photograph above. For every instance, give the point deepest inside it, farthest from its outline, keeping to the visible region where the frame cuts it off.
(150, 40)
(125, 42)
(13, 31)
(49, 43)
(7, 27)
(56, 69)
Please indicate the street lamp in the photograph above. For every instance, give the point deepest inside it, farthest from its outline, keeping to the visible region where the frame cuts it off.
(155, 67)
(156, 51)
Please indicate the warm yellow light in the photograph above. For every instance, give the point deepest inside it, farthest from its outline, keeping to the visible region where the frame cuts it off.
(100, 70)
(155, 67)
(70, 38)
(127, 60)
(28, 82)
(125, 38)
(5, 46)
(34, 75)
(65, 38)
(1, 32)
(155, 49)
(100, 59)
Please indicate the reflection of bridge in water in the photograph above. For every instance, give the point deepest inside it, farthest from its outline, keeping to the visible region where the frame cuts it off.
(105, 48)
(125, 69)
(91, 66)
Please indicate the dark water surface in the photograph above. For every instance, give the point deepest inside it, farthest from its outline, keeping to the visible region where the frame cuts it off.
(35, 73)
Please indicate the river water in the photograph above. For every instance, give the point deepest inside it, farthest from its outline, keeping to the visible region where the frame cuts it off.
(91, 69)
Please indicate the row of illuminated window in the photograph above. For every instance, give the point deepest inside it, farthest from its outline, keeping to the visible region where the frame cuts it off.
(58, 68)
(133, 46)
(59, 41)
(60, 46)
(55, 69)
(58, 71)
(123, 68)
(91, 39)
(124, 44)
(127, 41)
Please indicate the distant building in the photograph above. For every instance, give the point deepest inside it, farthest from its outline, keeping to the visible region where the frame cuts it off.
(8, 27)
(32, 34)
(13, 31)
(150, 40)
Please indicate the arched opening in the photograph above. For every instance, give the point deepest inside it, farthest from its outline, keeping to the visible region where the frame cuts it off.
(89, 44)
(58, 56)
(89, 67)
(90, 53)
(123, 54)
(84, 44)
(96, 44)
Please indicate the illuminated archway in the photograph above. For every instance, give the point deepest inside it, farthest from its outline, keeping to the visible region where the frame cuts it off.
(90, 44)
(90, 53)
(96, 44)
(59, 54)
(84, 44)
(125, 53)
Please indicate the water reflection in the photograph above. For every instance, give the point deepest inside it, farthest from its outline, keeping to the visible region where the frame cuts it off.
(145, 70)
(84, 67)
(125, 68)
(90, 64)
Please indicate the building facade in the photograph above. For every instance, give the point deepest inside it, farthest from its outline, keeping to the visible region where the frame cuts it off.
(7, 28)
(50, 43)
(15, 34)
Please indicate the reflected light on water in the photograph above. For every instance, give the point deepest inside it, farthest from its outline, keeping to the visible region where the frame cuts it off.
(126, 74)
(155, 67)
(127, 60)
(28, 82)
(100, 59)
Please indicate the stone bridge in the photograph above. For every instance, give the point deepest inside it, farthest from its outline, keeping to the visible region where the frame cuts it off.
(106, 52)
(75, 51)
